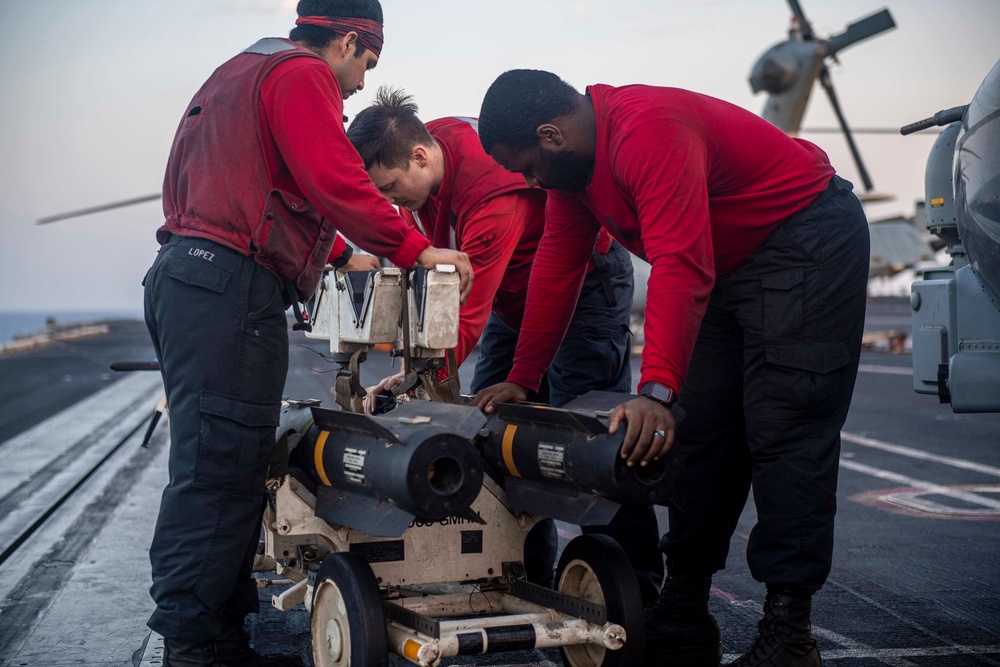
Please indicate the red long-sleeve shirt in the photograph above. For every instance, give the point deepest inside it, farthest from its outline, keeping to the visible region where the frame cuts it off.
(691, 184)
(489, 214)
(494, 234)
(308, 153)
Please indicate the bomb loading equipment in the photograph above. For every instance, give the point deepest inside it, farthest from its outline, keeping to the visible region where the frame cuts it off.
(356, 310)
(406, 532)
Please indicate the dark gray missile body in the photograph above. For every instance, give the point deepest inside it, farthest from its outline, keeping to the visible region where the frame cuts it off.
(376, 474)
(563, 463)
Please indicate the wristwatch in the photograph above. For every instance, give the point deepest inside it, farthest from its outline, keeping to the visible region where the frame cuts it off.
(659, 393)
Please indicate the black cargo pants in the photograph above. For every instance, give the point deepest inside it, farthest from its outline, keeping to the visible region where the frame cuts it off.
(766, 394)
(218, 327)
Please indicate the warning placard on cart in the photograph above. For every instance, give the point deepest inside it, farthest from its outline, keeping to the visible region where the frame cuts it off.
(472, 541)
(380, 552)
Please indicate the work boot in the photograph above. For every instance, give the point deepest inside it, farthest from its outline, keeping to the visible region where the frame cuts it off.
(679, 629)
(232, 649)
(179, 653)
(784, 635)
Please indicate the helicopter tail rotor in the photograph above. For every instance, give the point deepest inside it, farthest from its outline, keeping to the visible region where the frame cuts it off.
(861, 30)
(788, 70)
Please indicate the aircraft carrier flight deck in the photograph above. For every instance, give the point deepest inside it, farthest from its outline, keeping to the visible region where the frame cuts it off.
(915, 581)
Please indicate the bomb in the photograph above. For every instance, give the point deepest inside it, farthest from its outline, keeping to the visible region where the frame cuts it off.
(378, 474)
(563, 463)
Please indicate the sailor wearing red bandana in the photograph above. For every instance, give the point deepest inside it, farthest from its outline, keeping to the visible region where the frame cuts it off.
(259, 180)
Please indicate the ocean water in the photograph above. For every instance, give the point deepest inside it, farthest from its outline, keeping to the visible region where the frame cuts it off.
(17, 323)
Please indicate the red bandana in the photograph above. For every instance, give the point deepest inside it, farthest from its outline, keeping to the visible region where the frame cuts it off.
(369, 32)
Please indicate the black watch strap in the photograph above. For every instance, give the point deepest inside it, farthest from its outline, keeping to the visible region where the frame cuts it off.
(659, 393)
(341, 261)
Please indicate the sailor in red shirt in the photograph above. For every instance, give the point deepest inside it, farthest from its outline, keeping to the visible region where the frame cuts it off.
(459, 197)
(754, 314)
(456, 196)
(260, 177)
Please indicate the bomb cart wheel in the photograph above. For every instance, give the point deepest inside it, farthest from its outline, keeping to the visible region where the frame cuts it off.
(595, 568)
(348, 621)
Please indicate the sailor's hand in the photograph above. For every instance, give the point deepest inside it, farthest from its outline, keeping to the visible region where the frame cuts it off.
(488, 399)
(383, 387)
(432, 256)
(650, 430)
(362, 262)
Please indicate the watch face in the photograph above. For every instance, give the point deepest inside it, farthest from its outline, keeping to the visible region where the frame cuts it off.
(659, 392)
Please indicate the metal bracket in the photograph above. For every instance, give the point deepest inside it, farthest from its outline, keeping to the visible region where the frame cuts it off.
(291, 598)
(348, 392)
(564, 604)
(425, 625)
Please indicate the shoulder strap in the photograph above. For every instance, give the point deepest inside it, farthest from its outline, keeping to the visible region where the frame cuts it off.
(268, 46)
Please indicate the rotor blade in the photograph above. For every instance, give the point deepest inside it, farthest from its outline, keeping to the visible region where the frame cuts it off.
(804, 26)
(858, 130)
(863, 29)
(824, 79)
(875, 198)
(98, 209)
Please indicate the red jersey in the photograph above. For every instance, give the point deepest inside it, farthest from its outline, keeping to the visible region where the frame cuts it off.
(261, 163)
(690, 183)
(491, 215)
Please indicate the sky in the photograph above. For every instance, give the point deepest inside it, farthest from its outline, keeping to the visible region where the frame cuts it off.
(93, 91)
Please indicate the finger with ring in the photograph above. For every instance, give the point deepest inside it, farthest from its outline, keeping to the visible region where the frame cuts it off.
(660, 432)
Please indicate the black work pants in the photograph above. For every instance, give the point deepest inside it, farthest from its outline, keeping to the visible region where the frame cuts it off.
(218, 327)
(594, 355)
(766, 394)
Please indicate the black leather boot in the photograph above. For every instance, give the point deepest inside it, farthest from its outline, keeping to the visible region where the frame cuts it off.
(179, 653)
(232, 648)
(679, 629)
(784, 635)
